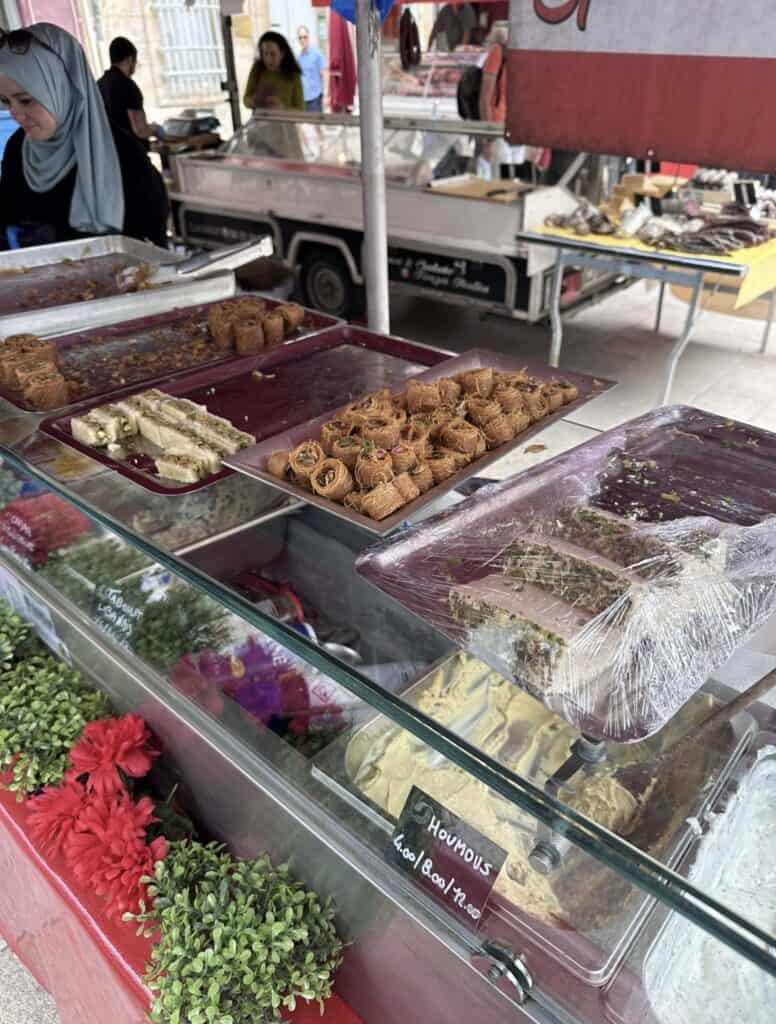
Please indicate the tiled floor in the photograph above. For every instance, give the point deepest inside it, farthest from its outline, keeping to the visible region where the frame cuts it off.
(721, 371)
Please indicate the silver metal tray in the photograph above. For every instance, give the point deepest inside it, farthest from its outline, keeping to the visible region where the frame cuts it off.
(99, 312)
(594, 955)
(253, 460)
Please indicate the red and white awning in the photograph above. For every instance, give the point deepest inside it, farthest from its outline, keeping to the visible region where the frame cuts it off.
(689, 80)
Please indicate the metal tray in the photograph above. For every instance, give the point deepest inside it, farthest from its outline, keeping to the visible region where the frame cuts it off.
(319, 372)
(95, 351)
(95, 313)
(253, 460)
(592, 956)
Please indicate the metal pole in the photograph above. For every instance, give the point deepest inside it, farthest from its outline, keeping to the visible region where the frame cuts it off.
(370, 104)
(230, 85)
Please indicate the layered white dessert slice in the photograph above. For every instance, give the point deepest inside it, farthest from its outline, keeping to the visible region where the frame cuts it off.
(116, 423)
(89, 430)
(184, 468)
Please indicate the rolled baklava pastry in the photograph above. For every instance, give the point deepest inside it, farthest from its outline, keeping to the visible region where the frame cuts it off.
(381, 431)
(274, 329)
(221, 328)
(423, 396)
(553, 395)
(403, 458)
(481, 410)
(353, 500)
(482, 444)
(499, 430)
(449, 391)
(570, 391)
(332, 431)
(377, 404)
(304, 458)
(422, 477)
(332, 479)
(521, 420)
(415, 436)
(422, 424)
(460, 436)
(479, 383)
(535, 402)
(439, 420)
(347, 450)
(278, 465)
(382, 501)
(442, 464)
(406, 486)
(373, 467)
(508, 397)
(248, 307)
(510, 378)
(248, 337)
(293, 315)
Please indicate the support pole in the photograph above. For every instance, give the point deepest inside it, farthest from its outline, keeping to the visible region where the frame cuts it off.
(370, 105)
(230, 85)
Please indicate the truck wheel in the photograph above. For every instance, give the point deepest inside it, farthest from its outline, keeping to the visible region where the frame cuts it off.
(327, 285)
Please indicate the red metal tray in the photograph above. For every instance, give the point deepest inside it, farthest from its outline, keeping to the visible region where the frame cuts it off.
(95, 352)
(316, 374)
(253, 460)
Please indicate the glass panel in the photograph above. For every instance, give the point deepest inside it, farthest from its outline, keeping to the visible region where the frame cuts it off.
(270, 631)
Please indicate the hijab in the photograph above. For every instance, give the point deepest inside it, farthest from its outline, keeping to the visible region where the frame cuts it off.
(62, 83)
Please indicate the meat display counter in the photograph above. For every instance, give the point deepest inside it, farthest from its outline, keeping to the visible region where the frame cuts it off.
(308, 714)
(451, 233)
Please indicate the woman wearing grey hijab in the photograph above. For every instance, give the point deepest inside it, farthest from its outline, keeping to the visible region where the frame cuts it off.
(68, 172)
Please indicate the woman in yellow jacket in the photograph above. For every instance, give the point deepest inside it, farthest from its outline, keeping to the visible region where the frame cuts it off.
(275, 80)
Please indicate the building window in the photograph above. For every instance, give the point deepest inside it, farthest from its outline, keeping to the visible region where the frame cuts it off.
(192, 48)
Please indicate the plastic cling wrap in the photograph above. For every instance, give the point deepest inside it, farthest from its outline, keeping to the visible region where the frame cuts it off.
(609, 582)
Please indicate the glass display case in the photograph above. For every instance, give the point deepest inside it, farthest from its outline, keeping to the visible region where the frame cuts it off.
(487, 859)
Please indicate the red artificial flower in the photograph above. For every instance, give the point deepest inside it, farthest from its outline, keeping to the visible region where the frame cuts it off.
(54, 814)
(107, 849)
(109, 744)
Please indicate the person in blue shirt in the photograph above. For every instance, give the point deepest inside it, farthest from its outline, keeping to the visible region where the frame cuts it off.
(312, 63)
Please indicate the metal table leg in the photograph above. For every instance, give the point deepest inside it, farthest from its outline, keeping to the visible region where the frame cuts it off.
(555, 317)
(659, 315)
(769, 321)
(683, 340)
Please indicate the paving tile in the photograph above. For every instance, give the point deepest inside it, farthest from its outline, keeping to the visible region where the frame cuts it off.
(22, 1000)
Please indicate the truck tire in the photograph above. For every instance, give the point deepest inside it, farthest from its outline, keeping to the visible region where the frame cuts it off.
(327, 285)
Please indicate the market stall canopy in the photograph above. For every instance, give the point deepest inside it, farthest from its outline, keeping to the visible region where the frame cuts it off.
(689, 81)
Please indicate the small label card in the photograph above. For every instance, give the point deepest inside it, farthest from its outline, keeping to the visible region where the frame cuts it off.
(449, 859)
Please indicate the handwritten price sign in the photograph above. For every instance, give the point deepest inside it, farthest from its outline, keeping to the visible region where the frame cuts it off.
(447, 858)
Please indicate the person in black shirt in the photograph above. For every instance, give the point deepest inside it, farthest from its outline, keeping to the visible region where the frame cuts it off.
(122, 97)
(68, 172)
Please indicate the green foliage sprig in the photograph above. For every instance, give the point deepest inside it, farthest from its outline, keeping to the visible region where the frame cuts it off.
(239, 939)
(16, 637)
(44, 705)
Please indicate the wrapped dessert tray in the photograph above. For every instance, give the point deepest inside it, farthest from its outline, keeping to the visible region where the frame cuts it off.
(119, 355)
(30, 280)
(253, 460)
(269, 392)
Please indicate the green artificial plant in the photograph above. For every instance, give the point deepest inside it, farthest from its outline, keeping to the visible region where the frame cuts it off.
(240, 939)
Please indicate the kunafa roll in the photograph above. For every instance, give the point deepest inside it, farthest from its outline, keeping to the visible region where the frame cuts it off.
(403, 458)
(521, 420)
(570, 391)
(416, 437)
(332, 431)
(274, 329)
(553, 395)
(423, 396)
(293, 315)
(373, 467)
(508, 397)
(481, 410)
(382, 431)
(499, 430)
(382, 501)
(304, 458)
(442, 464)
(353, 500)
(460, 436)
(535, 402)
(422, 477)
(439, 419)
(248, 337)
(406, 486)
(347, 450)
(479, 383)
(449, 392)
(332, 479)
(278, 465)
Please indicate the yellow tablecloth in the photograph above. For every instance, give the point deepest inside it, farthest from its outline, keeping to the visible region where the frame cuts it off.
(759, 260)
